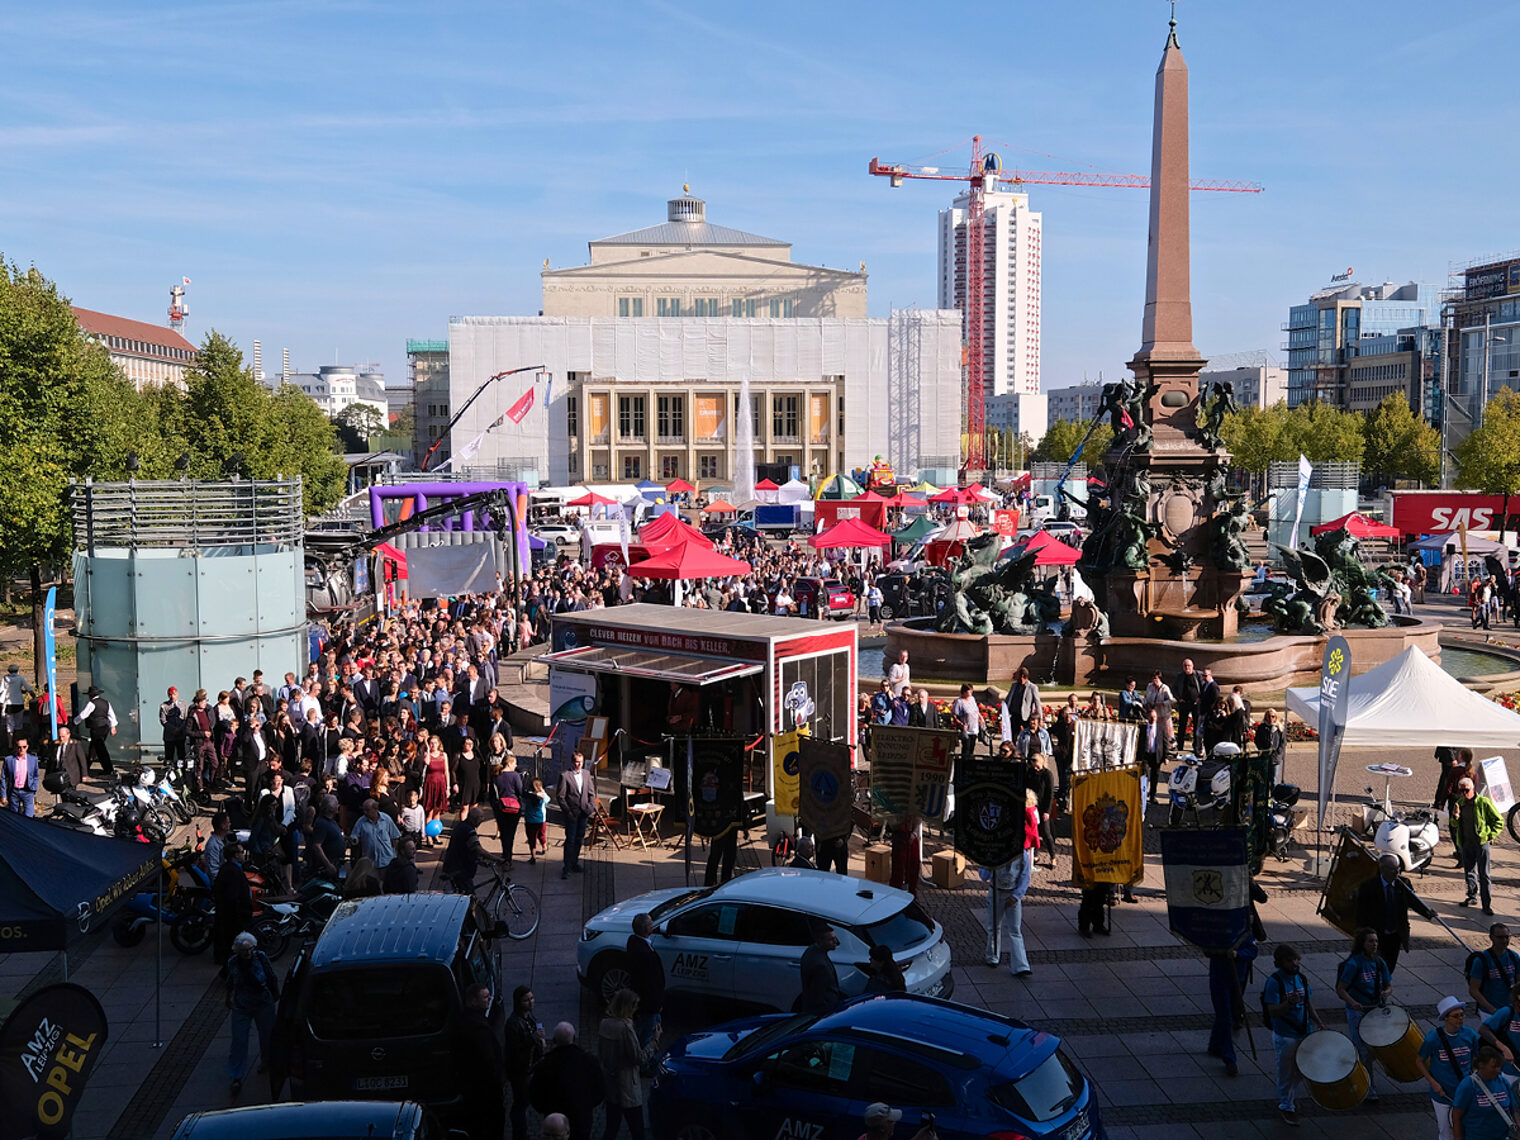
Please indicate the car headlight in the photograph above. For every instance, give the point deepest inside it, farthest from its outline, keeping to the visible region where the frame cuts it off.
(588, 934)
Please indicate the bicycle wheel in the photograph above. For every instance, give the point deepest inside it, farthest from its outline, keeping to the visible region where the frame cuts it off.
(1514, 823)
(516, 907)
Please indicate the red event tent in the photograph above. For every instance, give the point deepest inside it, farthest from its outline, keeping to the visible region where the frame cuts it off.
(767, 485)
(679, 487)
(720, 507)
(1051, 551)
(849, 533)
(957, 495)
(671, 528)
(1359, 526)
(688, 561)
(592, 499)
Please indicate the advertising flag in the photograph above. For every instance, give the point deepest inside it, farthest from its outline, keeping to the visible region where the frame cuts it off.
(1106, 826)
(50, 652)
(1334, 697)
(824, 792)
(524, 404)
(48, 1048)
(1208, 886)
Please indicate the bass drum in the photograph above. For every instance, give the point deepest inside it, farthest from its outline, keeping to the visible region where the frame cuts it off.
(1329, 1065)
(1395, 1041)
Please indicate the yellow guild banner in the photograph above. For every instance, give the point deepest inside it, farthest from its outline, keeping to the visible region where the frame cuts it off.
(1106, 828)
(788, 767)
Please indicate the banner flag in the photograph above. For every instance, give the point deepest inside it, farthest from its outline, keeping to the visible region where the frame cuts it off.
(824, 792)
(787, 767)
(989, 810)
(1208, 886)
(524, 404)
(910, 769)
(1106, 828)
(1305, 473)
(716, 793)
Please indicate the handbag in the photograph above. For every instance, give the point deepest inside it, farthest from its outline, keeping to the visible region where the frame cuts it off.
(511, 805)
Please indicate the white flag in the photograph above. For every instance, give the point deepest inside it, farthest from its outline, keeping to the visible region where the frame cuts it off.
(1305, 473)
(623, 531)
(469, 450)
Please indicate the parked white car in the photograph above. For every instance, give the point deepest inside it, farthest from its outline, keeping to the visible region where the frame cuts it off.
(744, 940)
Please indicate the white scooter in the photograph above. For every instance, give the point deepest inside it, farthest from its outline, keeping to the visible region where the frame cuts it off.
(1411, 835)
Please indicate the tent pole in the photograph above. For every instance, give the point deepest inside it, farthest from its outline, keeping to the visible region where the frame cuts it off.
(65, 953)
(158, 968)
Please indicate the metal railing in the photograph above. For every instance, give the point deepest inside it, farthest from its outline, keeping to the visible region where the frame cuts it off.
(188, 513)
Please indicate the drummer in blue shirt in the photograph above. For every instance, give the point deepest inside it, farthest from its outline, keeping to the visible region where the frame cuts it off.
(1289, 1003)
(1504, 1024)
(1363, 983)
(1446, 1057)
(1493, 972)
(1475, 1111)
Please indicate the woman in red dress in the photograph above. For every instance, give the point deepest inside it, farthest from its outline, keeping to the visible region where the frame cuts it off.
(435, 784)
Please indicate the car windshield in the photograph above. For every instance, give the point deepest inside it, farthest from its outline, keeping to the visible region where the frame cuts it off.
(908, 927)
(669, 905)
(773, 1032)
(394, 1000)
(1044, 1094)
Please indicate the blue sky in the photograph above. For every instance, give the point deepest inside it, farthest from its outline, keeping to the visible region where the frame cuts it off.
(338, 176)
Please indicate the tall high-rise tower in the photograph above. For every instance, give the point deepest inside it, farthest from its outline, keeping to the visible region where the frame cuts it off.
(1011, 289)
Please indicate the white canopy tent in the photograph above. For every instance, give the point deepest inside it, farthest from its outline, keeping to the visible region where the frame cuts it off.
(1410, 702)
(794, 491)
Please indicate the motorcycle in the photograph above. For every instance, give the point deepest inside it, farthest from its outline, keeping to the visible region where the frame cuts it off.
(1201, 787)
(116, 811)
(187, 907)
(302, 918)
(1284, 817)
(1411, 835)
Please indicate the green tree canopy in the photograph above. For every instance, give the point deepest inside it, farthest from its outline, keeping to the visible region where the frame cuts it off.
(1259, 436)
(1399, 444)
(1062, 438)
(1489, 459)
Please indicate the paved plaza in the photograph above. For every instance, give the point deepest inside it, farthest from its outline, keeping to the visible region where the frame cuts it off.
(1133, 1006)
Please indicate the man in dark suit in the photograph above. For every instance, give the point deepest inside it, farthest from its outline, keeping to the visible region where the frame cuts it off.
(1383, 903)
(72, 759)
(1154, 747)
(922, 713)
(577, 799)
(1188, 691)
(367, 692)
(646, 977)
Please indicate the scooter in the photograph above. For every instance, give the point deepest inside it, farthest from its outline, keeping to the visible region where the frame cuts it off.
(302, 918)
(188, 910)
(1284, 817)
(1197, 786)
(1411, 835)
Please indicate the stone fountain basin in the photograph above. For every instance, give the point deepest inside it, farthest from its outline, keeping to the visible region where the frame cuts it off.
(1273, 663)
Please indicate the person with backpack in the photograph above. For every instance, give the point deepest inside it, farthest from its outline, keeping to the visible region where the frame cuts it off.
(1287, 1007)
(1446, 1058)
(1492, 974)
(1504, 1024)
(1363, 983)
(1484, 1104)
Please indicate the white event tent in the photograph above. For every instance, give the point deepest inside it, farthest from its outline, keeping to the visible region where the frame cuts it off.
(1410, 702)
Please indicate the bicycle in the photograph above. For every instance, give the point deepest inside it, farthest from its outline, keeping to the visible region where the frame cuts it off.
(512, 906)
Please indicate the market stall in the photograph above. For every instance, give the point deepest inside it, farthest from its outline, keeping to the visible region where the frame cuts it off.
(654, 674)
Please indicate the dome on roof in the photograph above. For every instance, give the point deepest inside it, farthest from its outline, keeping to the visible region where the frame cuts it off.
(687, 209)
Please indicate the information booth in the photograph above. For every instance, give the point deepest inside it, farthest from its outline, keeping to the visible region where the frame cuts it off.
(657, 673)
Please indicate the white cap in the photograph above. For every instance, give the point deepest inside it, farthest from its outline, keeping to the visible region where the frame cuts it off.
(880, 1113)
(1446, 1005)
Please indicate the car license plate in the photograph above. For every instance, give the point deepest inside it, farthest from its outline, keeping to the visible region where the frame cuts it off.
(379, 1084)
(1077, 1129)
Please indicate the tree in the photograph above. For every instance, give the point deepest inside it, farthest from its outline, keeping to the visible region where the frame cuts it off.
(228, 413)
(1257, 437)
(1062, 439)
(1325, 434)
(1489, 459)
(65, 413)
(1399, 444)
(358, 424)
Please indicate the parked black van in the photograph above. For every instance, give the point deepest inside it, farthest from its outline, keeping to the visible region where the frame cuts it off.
(335, 1120)
(373, 1008)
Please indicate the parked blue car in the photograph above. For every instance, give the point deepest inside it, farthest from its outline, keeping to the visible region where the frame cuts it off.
(804, 1075)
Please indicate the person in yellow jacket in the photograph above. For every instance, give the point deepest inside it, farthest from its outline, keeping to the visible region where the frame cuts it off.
(1475, 823)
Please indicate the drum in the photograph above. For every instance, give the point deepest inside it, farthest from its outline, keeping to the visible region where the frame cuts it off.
(1328, 1063)
(1395, 1041)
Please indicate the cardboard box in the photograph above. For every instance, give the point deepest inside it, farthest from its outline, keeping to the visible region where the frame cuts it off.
(879, 863)
(947, 868)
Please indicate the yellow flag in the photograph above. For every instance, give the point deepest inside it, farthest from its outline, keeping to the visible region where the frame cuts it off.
(787, 764)
(1106, 827)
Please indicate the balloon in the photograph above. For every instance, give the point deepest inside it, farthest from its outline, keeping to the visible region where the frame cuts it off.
(434, 828)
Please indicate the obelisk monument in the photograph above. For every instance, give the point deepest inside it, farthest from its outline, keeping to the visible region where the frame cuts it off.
(1165, 558)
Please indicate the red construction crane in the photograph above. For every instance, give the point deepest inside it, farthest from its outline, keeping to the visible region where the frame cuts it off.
(988, 169)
